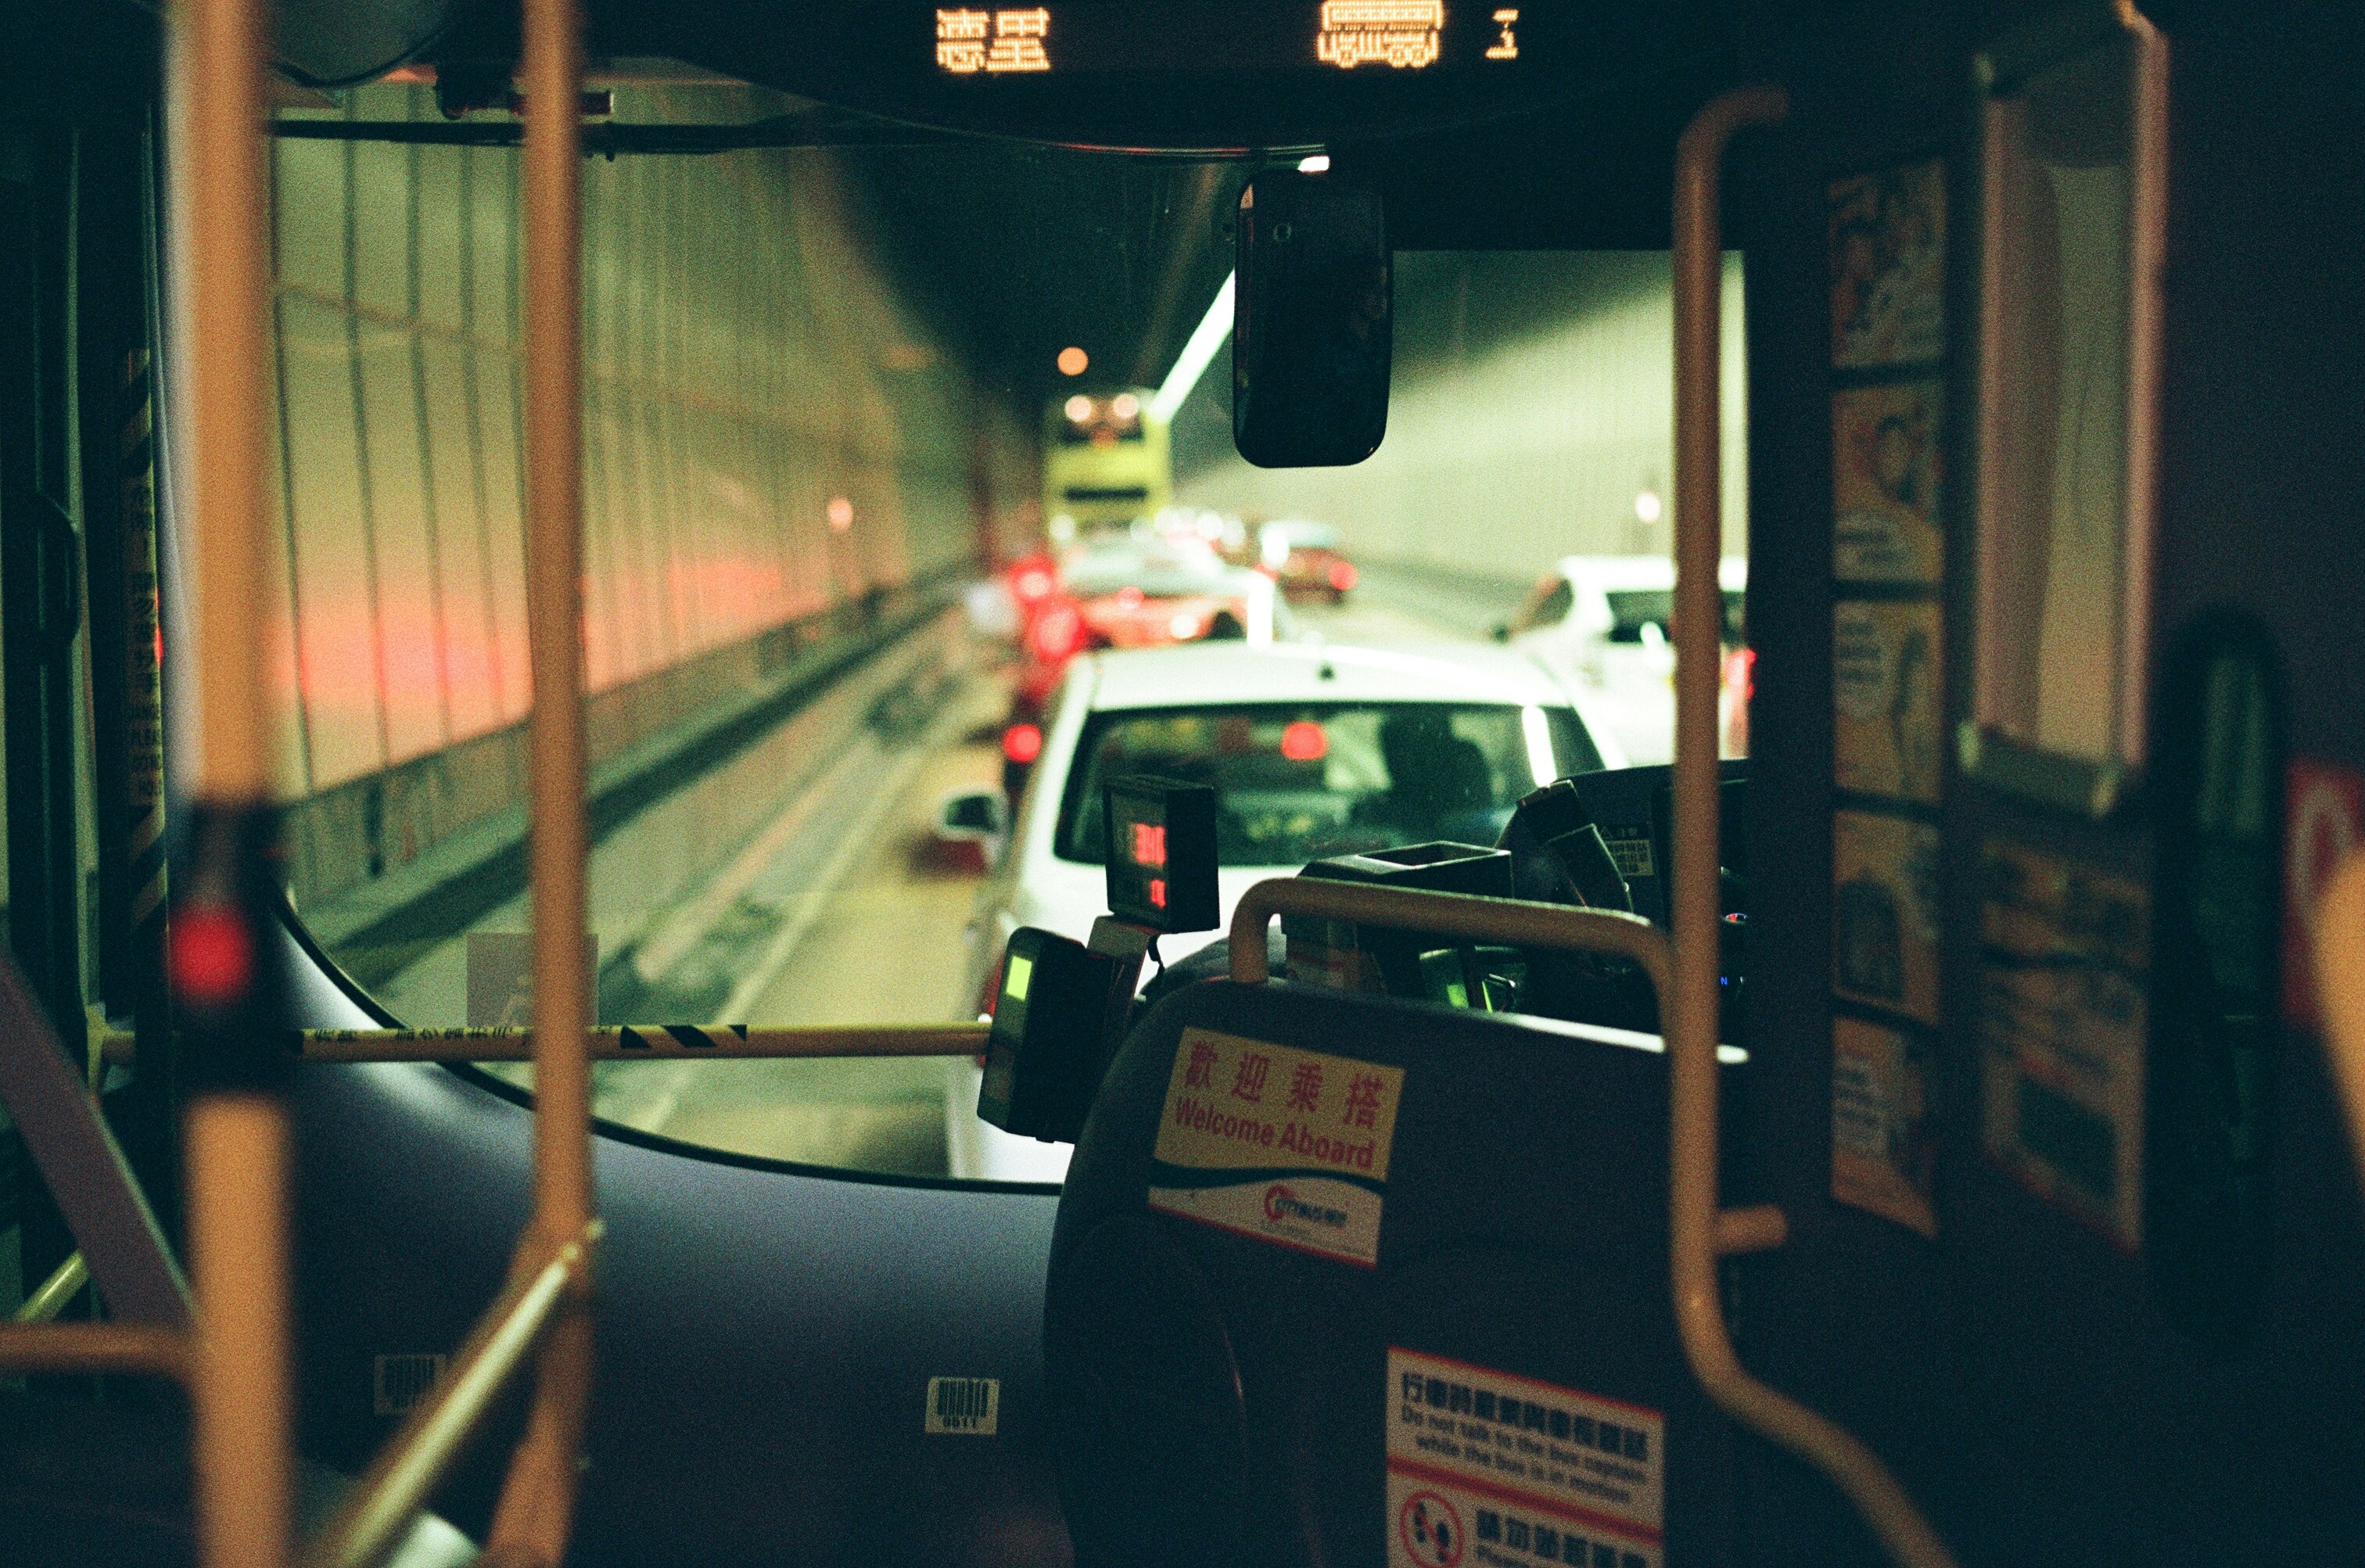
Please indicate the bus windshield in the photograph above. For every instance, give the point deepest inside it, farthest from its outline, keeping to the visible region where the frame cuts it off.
(879, 440)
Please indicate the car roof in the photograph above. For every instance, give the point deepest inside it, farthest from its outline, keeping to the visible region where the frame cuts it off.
(1162, 567)
(1224, 673)
(1298, 531)
(1616, 572)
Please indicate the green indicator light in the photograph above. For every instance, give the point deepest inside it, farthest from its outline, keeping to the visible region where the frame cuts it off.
(1014, 977)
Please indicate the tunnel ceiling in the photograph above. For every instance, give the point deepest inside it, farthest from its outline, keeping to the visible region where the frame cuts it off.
(1015, 252)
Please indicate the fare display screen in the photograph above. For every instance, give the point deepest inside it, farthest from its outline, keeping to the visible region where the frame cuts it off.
(1161, 860)
(1381, 37)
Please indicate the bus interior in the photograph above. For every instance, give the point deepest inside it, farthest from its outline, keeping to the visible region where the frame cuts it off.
(1147, 783)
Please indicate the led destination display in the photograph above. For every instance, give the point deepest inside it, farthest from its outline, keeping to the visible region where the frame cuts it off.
(1382, 37)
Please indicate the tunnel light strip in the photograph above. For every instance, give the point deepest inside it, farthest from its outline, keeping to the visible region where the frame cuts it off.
(1205, 339)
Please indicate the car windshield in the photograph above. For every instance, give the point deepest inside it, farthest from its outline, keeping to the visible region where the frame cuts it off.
(1297, 783)
(1630, 609)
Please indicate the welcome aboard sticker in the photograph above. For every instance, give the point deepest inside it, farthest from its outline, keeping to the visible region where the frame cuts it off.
(1286, 1146)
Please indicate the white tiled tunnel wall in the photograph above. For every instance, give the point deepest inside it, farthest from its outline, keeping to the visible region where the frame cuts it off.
(745, 362)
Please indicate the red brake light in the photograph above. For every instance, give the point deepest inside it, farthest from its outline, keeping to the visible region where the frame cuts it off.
(1342, 575)
(1058, 631)
(1022, 742)
(1304, 742)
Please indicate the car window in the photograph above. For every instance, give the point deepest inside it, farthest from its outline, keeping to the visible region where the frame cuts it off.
(1296, 783)
(1548, 604)
(1630, 609)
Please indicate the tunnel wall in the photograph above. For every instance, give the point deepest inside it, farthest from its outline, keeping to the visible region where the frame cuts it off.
(745, 363)
(1532, 401)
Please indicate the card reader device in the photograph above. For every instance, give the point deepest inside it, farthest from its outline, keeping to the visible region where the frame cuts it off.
(1063, 1005)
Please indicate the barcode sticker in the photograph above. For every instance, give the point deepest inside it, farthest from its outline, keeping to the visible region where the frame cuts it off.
(963, 1407)
(399, 1382)
(1629, 848)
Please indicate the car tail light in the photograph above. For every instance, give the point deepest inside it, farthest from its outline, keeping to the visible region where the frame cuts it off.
(1031, 585)
(1058, 631)
(1304, 742)
(1344, 576)
(1740, 673)
(1022, 744)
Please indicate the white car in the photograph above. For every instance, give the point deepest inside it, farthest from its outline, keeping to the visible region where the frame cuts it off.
(1602, 620)
(1313, 749)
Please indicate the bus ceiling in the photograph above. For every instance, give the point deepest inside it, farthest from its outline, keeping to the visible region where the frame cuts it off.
(1174, 76)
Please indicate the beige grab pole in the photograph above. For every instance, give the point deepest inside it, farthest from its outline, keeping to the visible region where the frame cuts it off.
(1690, 1010)
(236, 1141)
(536, 1508)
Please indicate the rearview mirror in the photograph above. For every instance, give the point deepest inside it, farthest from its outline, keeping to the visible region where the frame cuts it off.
(1313, 321)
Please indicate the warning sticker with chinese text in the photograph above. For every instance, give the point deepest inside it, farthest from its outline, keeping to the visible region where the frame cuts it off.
(1491, 1469)
(1286, 1146)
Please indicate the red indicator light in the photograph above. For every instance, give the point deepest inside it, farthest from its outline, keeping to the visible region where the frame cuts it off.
(1149, 846)
(212, 957)
(1022, 742)
(1304, 742)
(1157, 892)
(1342, 575)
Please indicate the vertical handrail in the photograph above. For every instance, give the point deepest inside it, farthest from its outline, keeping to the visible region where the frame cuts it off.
(237, 1136)
(530, 1524)
(1690, 1010)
